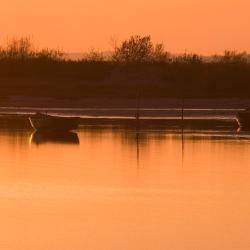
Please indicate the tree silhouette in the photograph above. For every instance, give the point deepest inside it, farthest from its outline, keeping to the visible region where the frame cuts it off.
(135, 50)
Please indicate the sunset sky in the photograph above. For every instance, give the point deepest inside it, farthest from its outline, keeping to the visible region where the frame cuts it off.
(202, 26)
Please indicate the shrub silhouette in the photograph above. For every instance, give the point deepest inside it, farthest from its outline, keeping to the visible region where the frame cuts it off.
(139, 49)
(94, 56)
(23, 49)
(234, 57)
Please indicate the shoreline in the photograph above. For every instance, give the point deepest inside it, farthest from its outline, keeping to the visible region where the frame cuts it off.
(161, 112)
(18, 121)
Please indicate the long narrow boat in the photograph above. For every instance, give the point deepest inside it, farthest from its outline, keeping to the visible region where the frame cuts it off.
(243, 119)
(44, 122)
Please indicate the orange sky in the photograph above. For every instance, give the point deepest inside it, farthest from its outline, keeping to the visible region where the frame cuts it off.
(203, 26)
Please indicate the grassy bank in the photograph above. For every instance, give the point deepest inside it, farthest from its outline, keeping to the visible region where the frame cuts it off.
(69, 79)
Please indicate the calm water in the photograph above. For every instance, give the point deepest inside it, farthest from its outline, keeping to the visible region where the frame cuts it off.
(110, 189)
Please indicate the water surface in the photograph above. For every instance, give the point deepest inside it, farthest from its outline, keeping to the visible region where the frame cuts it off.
(107, 188)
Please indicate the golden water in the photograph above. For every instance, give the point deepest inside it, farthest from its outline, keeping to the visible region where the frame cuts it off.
(117, 189)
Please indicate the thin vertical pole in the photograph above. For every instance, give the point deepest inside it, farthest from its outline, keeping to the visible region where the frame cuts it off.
(182, 114)
(137, 116)
(138, 105)
(182, 131)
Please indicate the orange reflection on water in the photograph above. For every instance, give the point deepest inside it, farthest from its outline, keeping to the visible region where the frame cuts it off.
(115, 190)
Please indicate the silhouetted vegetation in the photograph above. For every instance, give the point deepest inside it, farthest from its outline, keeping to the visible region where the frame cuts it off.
(94, 56)
(136, 63)
(140, 50)
(22, 49)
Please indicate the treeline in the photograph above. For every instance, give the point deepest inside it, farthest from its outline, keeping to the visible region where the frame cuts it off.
(136, 66)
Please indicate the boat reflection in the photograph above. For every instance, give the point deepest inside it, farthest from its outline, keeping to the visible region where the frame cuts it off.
(54, 137)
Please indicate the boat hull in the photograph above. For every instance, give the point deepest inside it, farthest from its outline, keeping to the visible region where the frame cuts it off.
(54, 123)
(243, 119)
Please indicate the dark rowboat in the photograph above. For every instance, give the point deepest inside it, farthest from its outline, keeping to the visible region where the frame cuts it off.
(44, 122)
